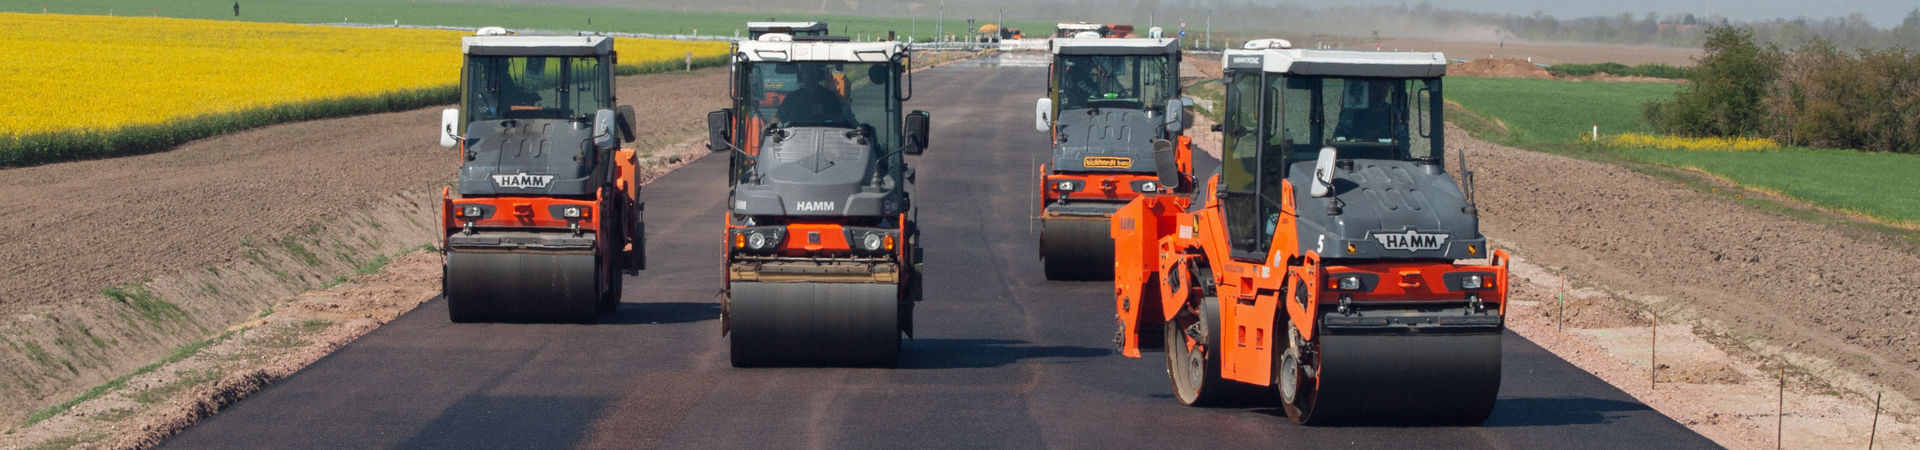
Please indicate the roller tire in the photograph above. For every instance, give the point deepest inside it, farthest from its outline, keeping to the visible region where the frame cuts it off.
(1195, 376)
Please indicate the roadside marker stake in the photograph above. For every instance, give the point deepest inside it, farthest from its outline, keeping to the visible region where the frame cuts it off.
(1875, 430)
(1563, 303)
(1780, 410)
(1653, 354)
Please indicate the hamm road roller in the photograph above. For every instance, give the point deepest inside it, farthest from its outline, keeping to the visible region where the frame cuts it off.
(548, 214)
(1113, 110)
(822, 252)
(1323, 261)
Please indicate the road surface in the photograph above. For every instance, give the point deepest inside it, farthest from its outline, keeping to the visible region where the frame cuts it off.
(1002, 357)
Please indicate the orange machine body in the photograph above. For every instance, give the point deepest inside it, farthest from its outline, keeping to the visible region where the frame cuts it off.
(1166, 255)
(536, 213)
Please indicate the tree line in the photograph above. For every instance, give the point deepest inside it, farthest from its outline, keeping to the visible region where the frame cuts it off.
(1817, 94)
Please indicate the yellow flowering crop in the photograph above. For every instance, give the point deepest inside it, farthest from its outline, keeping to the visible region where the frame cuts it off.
(1705, 144)
(89, 72)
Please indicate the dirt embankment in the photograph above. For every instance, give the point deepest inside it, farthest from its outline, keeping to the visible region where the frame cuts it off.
(113, 263)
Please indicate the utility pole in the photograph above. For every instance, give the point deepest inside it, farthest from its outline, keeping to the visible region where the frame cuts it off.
(939, 26)
(1209, 28)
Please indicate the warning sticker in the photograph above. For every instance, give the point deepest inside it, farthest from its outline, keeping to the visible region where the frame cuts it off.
(1107, 162)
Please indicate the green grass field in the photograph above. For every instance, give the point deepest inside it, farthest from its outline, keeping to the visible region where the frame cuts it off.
(1552, 116)
(477, 14)
(1551, 111)
(1881, 185)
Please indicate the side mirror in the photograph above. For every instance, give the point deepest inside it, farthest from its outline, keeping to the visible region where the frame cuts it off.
(916, 128)
(1043, 114)
(449, 127)
(719, 130)
(1165, 164)
(606, 128)
(1176, 117)
(1323, 173)
(1186, 120)
(628, 127)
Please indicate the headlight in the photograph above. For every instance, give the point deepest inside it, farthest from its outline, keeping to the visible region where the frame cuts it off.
(470, 211)
(570, 212)
(1064, 186)
(1470, 282)
(1349, 283)
(871, 242)
(757, 240)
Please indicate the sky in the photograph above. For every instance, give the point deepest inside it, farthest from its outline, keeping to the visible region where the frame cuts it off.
(1882, 13)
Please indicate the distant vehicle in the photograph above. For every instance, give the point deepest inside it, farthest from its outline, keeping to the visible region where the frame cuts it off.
(993, 33)
(1115, 114)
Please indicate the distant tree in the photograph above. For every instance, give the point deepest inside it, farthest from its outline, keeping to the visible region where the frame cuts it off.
(1725, 96)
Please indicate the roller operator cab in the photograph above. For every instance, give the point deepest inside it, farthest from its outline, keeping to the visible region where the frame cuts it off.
(1332, 261)
(822, 252)
(757, 29)
(1114, 111)
(545, 218)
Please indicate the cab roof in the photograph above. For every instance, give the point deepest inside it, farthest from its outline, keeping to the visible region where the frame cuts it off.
(1339, 62)
(817, 51)
(515, 45)
(797, 26)
(1115, 46)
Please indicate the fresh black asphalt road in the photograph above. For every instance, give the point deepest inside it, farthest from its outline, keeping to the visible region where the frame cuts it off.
(1002, 357)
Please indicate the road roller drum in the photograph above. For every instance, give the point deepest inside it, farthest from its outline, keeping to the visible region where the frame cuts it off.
(815, 324)
(1076, 249)
(521, 287)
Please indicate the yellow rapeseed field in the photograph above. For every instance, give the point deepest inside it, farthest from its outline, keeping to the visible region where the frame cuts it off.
(1703, 144)
(99, 73)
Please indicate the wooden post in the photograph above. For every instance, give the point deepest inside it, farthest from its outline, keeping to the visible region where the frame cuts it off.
(1653, 354)
(1875, 430)
(1563, 303)
(1780, 411)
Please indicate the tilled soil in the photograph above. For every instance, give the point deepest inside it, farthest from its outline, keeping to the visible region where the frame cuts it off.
(1499, 68)
(1543, 52)
(1821, 297)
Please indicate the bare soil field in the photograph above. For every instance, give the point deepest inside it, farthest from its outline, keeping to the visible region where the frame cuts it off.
(113, 263)
(1743, 297)
(1543, 52)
